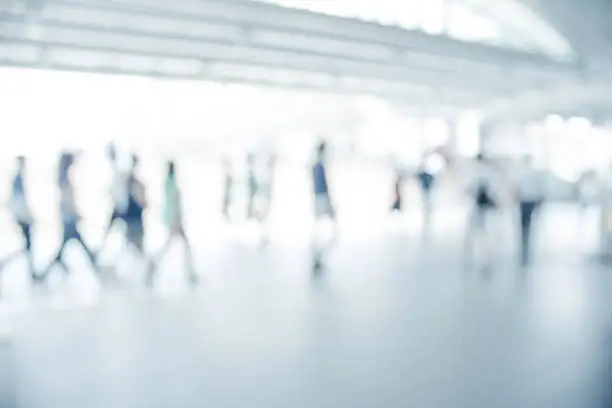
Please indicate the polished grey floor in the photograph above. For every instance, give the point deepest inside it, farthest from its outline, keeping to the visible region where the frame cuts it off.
(393, 322)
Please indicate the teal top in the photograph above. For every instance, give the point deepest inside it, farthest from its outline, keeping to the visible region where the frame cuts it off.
(172, 210)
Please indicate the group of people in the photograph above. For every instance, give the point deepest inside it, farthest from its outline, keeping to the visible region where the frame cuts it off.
(486, 191)
(129, 205)
(259, 188)
(487, 188)
(129, 200)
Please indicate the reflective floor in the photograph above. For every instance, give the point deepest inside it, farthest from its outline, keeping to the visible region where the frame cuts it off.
(395, 321)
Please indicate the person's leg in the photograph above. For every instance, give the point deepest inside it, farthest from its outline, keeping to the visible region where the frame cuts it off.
(323, 245)
(156, 259)
(59, 257)
(188, 256)
(472, 231)
(252, 205)
(527, 209)
(113, 219)
(226, 207)
(426, 212)
(26, 230)
(486, 237)
(315, 244)
(135, 237)
(476, 241)
(331, 213)
(88, 252)
(263, 220)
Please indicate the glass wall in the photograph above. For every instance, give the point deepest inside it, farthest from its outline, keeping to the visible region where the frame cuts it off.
(570, 147)
(197, 124)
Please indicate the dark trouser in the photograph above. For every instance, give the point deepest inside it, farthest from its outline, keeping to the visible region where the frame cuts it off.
(27, 248)
(527, 208)
(252, 204)
(71, 233)
(476, 238)
(175, 231)
(135, 233)
(27, 236)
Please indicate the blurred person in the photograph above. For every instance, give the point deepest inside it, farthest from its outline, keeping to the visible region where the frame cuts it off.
(228, 188)
(22, 215)
(119, 193)
(70, 217)
(426, 180)
(323, 206)
(173, 219)
(481, 188)
(265, 194)
(587, 189)
(134, 213)
(396, 206)
(530, 195)
(252, 186)
(266, 188)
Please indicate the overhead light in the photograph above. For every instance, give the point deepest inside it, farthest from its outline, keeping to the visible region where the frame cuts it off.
(554, 123)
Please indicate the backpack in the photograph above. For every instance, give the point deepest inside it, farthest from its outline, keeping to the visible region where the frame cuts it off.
(483, 196)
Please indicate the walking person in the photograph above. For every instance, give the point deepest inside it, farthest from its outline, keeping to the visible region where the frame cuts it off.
(531, 193)
(134, 214)
(396, 206)
(266, 189)
(70, 218)
(22, 215)
(323, 207)
(173, 220)
(484, 200)
(426, 180)
(228, 188)
(252, 187)
(119, 193)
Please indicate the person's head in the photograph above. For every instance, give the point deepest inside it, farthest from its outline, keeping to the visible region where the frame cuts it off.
(21, 163)
(170, 168)
(480, 157)
(135, 162)
(321, 150)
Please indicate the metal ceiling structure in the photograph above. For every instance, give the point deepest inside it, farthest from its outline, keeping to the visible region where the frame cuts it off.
(590, 98)
(586, 25)
(504, 23)
(263, 44)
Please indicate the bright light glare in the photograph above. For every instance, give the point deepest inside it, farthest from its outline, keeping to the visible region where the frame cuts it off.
(435, 163)
(468, 141)
(554, 123)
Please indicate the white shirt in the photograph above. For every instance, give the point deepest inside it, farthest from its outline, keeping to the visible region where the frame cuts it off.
(531, 185)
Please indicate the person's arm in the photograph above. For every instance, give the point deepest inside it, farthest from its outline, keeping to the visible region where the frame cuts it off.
(140, 194)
